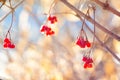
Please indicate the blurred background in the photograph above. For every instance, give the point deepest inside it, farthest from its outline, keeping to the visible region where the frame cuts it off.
(40, 57)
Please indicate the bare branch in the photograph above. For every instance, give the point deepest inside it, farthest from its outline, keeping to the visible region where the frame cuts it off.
(106, 6)
(101, 43)
(11, 10)
(79, 13)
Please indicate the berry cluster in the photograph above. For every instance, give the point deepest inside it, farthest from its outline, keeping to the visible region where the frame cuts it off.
(8, 43)
(46, 29)
(83, 43)
(82, 40)
(52, 19)
(88, 62)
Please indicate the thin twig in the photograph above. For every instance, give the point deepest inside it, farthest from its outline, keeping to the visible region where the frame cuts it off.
(79, 4)
(11, 10)
(34, 17)
(51, 6)
(3, 2)
(106, 6)
(94, 11)
(79, 13)
(92, 21)
(101, 43)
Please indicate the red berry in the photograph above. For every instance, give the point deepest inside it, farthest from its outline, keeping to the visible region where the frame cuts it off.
(90, 65)
(7, 40)
(9, 45)
(88, 44)
(50, 33)
(43, 28)
(52, 19)
(48, 29)
(81, 42)
(85, 65)
(84, 58)
(90, 60)
(49, 18)
(12, 46)
(5, 45)
(55, 19)
(78, 42)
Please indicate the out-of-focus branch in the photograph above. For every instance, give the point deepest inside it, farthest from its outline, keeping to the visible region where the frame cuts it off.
(34, 17)
(106, 6)
(11, 10)
(79, 13)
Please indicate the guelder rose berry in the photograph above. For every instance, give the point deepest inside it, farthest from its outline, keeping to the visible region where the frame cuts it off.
(8, 44)
(6, 40)
(82, 40)
(52, 19)
(88, 44)
(88, 62)
(47, 30)
(83, 43)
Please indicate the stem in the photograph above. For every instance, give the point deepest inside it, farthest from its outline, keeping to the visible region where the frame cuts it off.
(52, 5)
(3, 2)
(10, 26)
(59, 13)
(106, 6)
(10, 3)
(79, 13)
(11, 10)
(79, 4)
(94, 26)
(34, 17)
(99, 26)
(101, 43)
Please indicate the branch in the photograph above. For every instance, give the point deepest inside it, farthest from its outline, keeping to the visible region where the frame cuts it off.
(79, 13)
(11, 10)
(34, 17)
(101, 43)
(106, 6)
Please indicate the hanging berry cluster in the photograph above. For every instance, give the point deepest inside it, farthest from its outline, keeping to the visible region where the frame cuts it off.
(88, 61)
(7, 43)
(83, 42)
(46, 28)
(51, 19)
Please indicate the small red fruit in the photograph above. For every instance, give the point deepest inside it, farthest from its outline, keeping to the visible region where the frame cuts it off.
(85, 65)
(90, 65)
(12, 46)
(52, 19)
(8, 44)
(81, 42)
(84, 58)
(7, 40)
(88, 44)
(5, 45)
